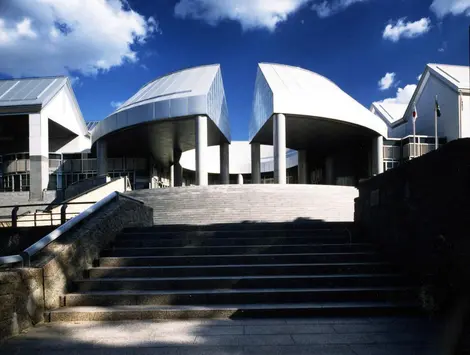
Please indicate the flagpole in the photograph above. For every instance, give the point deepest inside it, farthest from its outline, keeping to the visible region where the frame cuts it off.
(435, 127)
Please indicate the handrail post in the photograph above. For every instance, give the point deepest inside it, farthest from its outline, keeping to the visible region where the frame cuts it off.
(63, 215)
(35, 215)
(14, 217)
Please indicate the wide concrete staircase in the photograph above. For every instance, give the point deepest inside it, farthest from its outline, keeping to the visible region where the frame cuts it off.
(204, 205)
(237, 270)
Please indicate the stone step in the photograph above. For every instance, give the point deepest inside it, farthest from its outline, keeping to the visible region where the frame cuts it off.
(131, 242)
(229, 311)
(240, 270)
(150, 234)
(239, 259)
(241, 282)
(248, 296)
(236, 250)
(248, 227)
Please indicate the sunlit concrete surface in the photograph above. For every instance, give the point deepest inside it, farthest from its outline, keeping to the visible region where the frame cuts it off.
(342, 336)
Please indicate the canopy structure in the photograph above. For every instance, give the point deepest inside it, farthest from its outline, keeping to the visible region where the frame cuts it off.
(302, 110)
(172, 114)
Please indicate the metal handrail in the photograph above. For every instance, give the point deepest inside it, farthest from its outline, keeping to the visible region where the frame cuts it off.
(25, 257)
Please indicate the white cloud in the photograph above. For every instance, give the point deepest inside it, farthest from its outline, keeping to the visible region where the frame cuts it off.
(394, 32)
(327, 8)
(419, 77)
(387, 81)
(455, 7)
(116, 104)
(251, 14)
(50, 37)
(403, 95)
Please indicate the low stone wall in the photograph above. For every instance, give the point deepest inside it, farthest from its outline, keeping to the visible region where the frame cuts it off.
(418, 213)
(21, 300)
(56, 267)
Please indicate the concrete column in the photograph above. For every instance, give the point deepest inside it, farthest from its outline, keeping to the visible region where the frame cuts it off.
(102, 157)
(224, 164)
(177, 168)
(240, 179)
(377, 155)
(255, 163)
(201, 147)
(329, 171)
(172, 176)
(38, 155)
(302, 166)
(279, 139)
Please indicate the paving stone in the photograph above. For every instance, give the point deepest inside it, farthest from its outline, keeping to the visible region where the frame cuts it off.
(289, 329)
(245, 340)
(299, 350)
(389, 350)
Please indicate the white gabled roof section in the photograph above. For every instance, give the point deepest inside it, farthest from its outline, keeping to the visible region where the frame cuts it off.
(30, 91)
(389, 112)
(63, 109)
(298, 91)
(457, 77)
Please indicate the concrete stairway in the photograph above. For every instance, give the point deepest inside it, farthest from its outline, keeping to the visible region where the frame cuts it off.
(250, 203)
(237, 270)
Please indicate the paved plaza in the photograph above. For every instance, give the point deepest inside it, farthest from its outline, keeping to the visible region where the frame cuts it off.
(339, 336)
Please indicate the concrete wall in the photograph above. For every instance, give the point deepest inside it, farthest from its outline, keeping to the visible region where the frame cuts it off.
(62, 110)
(418, 213)
(465, 115)
(448, 123)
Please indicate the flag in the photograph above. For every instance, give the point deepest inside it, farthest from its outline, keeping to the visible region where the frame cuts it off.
(438, 110)
(415, 113)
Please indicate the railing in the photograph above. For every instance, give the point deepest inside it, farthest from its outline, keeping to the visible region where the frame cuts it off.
(42, 213)
(24, 258)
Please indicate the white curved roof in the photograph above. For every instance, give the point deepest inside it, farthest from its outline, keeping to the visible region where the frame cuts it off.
(193, 91)
(239, 158)
(296, 91)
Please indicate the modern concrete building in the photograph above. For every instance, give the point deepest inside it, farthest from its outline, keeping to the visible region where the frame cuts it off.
(337, 139)
(450, 84)
(40, 122)
(175, 131)
(172, 114)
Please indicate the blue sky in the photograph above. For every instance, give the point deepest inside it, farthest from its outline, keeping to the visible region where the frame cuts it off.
(112, 47)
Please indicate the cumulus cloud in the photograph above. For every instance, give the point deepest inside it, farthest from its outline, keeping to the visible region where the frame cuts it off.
(251, 14)
(116, 104)
(50, 37)
(328, 8)
(403, 95)
(395, 31)
(454, 7)
(387, 81)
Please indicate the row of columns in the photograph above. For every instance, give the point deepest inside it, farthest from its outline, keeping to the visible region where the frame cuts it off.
(279, 145)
